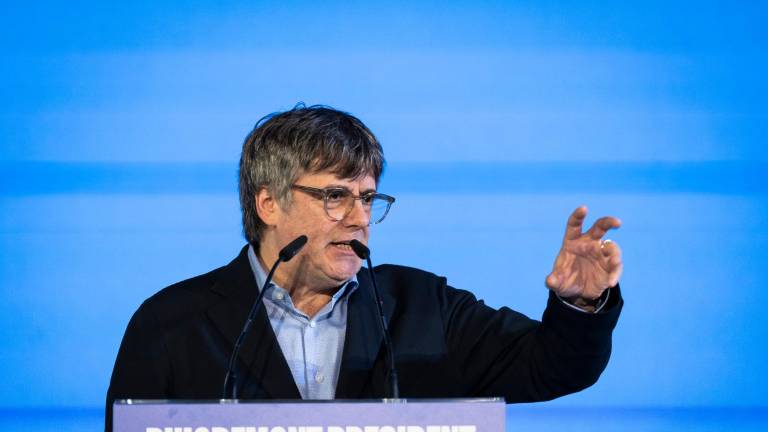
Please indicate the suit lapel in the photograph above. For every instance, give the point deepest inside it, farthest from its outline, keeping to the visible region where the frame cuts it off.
(363, 340)
(261, 359)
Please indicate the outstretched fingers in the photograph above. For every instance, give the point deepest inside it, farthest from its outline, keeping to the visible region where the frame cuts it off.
(602, 226)
(575, 222)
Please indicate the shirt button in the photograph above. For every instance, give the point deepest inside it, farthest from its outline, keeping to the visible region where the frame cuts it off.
(279, 296)
(319, 377)
(312, 324)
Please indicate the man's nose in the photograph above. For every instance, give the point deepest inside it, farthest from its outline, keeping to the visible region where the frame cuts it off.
(358, 215)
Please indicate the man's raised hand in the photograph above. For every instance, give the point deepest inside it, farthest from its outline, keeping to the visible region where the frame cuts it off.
(587, 264)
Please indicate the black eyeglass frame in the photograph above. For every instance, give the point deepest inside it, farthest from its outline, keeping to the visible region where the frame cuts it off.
(325, 193)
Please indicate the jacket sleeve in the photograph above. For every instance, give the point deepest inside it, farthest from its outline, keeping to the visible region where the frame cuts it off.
(142, 368)
(504, 353)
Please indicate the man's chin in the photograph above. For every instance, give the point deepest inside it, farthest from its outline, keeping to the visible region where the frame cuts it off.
(344, 273)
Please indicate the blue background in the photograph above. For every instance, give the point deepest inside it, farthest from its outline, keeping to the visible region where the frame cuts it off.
(121, 127)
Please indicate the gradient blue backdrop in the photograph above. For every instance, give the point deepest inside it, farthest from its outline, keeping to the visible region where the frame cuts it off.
(121, 126)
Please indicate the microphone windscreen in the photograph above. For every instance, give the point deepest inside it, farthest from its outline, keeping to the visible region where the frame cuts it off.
(360, 249)
(293, 248)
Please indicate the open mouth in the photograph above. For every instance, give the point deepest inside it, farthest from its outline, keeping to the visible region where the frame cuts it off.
(342, 245)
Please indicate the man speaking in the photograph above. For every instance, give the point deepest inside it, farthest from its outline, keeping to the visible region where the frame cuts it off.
(318, 332)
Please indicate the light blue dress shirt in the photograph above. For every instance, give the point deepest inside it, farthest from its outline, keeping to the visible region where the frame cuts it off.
(312, 347)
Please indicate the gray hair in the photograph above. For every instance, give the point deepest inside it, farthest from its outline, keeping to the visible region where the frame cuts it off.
(286, 145)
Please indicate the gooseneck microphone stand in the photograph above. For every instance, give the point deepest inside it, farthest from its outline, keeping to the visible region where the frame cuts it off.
(230, 380)
(364, 253)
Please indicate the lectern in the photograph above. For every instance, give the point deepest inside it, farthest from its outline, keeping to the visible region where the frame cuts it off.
(382, 415)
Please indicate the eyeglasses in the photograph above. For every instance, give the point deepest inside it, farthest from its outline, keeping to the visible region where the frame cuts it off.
(339, 202)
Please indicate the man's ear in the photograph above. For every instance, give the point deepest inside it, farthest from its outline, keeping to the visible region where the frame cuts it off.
(267, 207)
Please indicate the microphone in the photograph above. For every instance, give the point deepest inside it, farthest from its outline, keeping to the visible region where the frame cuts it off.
(364, 253)
(286, 253)
(292, 248)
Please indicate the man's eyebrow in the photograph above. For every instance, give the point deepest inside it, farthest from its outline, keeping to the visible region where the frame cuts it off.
(338, 186)
(335, 186)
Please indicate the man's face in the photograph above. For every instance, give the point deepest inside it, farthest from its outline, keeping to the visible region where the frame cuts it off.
(325, 261)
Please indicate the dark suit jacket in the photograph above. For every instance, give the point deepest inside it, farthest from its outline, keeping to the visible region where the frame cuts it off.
(447, 343)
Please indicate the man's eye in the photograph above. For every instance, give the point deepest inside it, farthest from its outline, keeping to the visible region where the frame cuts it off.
(336, 195)
(367, 199)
